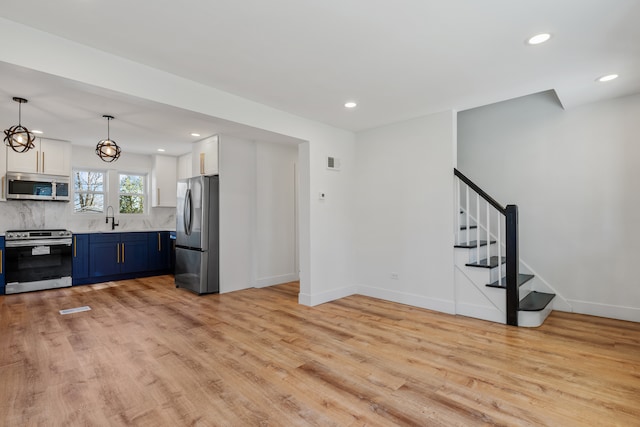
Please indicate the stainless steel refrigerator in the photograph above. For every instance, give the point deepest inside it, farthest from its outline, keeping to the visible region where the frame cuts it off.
(197, 231)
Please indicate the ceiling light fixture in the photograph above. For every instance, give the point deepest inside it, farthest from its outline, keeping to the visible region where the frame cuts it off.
(539, 38)
(350, 104)
(38, 132)
(18, 137)
(195, 134)
(107, 149)
(607, 78)
(161, 150)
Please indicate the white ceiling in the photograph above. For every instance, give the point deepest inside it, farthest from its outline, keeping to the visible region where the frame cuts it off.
(397, 59)
(72, 111)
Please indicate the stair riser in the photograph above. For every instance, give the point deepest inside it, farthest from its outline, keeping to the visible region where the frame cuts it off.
(472, 255)
(533, 319)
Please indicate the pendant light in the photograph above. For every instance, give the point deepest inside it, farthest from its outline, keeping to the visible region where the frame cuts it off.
(107, 149)
(18, 137)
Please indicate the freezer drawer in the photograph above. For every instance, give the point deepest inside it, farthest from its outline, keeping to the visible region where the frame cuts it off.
(196, 271)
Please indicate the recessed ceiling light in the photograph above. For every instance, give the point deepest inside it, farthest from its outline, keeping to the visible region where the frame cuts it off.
(161, 150)
(195, 134)
(37, 131)
(539, 38)
(607, 78)
(350, 104)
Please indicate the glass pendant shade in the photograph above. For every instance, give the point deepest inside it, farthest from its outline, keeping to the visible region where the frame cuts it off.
(18, 137)
(107, 149)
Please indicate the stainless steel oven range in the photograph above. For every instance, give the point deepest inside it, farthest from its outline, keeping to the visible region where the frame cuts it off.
(37, 259)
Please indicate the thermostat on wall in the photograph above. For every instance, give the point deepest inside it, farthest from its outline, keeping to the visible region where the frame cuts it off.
(333, 163)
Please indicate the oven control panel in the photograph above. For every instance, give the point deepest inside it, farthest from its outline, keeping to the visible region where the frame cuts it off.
(36, 234)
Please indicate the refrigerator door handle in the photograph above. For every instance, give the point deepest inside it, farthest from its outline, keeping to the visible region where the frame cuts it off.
(187, 212)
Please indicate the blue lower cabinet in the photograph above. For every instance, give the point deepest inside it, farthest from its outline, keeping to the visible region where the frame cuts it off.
(159, 251)
(104, 254)
(1, 265)
(114, 254)
(133, 247)
(80, 258)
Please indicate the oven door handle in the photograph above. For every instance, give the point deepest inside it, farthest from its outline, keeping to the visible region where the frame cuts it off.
(42, 242)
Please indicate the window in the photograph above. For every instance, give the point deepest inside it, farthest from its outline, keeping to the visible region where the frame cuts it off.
(89, 191)
(131, 194)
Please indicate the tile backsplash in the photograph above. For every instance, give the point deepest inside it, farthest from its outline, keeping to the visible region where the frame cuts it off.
(27, 215)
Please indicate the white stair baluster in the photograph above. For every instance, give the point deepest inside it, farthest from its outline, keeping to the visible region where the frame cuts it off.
(478, 226)
(488, 233)
(499, 249)
(467, 210)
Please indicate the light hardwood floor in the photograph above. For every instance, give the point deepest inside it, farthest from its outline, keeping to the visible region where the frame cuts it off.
(149, 354)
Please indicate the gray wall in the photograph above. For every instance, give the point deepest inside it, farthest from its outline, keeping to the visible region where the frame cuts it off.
(574, 176)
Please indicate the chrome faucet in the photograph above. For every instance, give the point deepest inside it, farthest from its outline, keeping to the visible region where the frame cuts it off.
(114, 224)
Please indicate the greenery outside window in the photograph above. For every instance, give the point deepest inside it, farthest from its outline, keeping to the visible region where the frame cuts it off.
(89, 191)
(131, 194)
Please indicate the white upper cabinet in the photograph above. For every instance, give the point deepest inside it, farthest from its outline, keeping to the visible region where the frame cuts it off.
(163, 181)
(205, 156)
(49, 157)
(185, 166)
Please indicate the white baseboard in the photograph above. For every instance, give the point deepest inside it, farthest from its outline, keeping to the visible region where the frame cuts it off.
(631, 314)
(276, 280)
(321, 298)
(436, 304)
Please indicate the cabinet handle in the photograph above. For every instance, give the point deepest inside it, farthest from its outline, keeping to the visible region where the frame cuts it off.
(3, 187)
(37, 161)
(159, 244)
(201, 163)
(75, 247)
(123, 253)
(43, 161)
(158, 191)
(1, 266)
(118, 252)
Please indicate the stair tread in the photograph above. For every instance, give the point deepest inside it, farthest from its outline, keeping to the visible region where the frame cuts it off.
(483, 263)
(535, 301)
(522, 279)
(473, 244)
(471, 227)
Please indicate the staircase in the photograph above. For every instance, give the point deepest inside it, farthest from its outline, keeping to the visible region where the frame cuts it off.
(489, 283)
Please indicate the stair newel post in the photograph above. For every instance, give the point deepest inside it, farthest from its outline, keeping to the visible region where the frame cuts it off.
(458, 212)
(513, 260)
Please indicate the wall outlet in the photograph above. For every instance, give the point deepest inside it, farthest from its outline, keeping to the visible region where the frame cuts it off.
(394, 276)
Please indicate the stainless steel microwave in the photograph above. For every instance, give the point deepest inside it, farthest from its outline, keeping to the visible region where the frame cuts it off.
(34, 186)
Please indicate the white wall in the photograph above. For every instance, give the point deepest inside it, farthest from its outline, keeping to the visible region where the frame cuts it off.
(331, 237)
(325, 257)
(275, 214)
(573, 175)
(237, 213)
(403, 221)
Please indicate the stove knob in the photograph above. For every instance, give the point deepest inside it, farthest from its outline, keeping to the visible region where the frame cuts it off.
(60, 233)
(10, 235)
(25, 235)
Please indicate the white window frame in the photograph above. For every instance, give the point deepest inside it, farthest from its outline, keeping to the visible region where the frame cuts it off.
(104, 192)
(144, 194)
